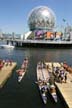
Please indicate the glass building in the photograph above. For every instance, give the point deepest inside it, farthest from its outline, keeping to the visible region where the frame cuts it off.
(41, 18)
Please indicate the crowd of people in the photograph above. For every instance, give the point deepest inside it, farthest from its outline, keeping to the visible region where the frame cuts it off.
(60, 74)
(5, 62)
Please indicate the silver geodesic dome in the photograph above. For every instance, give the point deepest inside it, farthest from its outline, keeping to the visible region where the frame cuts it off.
(42, 18)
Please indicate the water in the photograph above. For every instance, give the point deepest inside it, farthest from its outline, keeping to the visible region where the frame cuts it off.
(26, 94)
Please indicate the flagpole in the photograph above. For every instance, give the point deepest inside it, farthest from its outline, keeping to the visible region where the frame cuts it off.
(64, 20)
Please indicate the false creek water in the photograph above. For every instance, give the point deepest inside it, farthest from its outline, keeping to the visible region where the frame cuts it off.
(26, 94)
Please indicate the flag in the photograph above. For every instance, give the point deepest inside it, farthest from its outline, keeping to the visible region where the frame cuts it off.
(64, 20)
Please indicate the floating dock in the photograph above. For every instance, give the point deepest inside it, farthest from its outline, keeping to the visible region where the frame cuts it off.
(66, 91)
(66, 88)
(40, 43)
(6, 72)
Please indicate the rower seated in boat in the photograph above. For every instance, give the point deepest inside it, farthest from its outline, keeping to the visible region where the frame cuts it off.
(44, 87)
(56, 71)
(26, 60)
(52, 89)
(39, 66)
(43, 65)
(23, 66)
(39, 80)
(39, 63)
(19, 70)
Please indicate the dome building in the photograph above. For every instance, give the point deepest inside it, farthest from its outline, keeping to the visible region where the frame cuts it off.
(41, 18)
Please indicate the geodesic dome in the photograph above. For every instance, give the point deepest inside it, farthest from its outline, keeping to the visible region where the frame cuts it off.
(42, 18)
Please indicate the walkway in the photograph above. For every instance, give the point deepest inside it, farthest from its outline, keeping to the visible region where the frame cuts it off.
(66, 88)
(5, 73)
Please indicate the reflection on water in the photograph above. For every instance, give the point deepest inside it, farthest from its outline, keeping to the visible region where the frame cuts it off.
(26, 94)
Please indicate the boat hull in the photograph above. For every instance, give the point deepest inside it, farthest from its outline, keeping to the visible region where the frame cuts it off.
(21, 72)
(43, 95)
(7, 46)
(21, 77)
(42, 87)
(52, 94)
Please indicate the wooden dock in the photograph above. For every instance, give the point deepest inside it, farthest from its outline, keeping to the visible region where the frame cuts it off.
(66, 88)
(66, 91)
(5, 73)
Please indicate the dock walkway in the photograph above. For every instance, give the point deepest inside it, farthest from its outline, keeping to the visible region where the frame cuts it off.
(66, 88)
(5, 73)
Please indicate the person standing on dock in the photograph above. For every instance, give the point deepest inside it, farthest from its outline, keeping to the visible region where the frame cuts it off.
(3, 61)
(62, 75)
(65, 76)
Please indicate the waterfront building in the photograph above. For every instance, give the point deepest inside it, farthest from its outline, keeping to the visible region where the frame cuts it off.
(41, 18)
(42, 25)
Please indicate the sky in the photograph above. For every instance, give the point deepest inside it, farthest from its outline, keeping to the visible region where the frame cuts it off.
(14, 13)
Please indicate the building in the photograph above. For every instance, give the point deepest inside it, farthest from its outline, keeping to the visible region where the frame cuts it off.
(41, 18)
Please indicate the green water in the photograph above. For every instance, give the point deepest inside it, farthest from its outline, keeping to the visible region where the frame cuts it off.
(26, 94)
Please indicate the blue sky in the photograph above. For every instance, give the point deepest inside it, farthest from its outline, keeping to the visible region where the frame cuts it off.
(14, 13)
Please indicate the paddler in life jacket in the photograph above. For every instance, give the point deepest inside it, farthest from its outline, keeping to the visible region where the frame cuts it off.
(20, 71)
